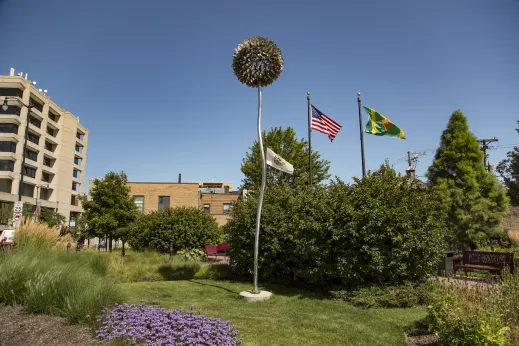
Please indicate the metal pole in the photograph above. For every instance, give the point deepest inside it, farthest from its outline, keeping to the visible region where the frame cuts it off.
(361, 137)
(260, 201)
(20, 188)
(309, 139)
(37, 193)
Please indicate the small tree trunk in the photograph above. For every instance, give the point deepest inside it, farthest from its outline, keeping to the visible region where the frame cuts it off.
(122, 252)
(110, 243)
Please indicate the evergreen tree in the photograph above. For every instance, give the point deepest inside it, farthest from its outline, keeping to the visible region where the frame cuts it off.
(508, 169)
(284, 143)
(110, 209)
(475, 198)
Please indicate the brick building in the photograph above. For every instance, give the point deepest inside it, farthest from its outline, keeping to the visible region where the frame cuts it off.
(215, 198)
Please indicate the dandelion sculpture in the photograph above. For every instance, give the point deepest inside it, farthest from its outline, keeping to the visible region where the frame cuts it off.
(258, 62)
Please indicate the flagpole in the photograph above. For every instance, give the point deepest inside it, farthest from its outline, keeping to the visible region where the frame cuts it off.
(309, 139)
(361, 137)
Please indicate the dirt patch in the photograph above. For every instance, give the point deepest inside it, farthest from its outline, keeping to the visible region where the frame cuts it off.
(422, 338)
(18, 328)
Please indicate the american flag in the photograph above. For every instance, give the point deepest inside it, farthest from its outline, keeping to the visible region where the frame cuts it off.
(324, 124)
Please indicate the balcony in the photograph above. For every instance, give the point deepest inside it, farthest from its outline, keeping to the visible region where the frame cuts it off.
(52, 123)
(35, 129)
(10, 119)
(213, 190)
(48, 169)
(50, 138)
(33, 146)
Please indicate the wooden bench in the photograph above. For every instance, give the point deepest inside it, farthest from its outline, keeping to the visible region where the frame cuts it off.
(489, 261)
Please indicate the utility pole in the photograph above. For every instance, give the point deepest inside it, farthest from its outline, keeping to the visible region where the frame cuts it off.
(484, 147)
(412, 156)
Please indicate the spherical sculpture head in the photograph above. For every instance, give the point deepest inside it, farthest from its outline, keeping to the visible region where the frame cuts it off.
(257, 62)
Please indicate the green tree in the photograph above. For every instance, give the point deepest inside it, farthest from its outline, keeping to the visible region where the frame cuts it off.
(110, 208)
(177, 228)
(284, 143)
(475, 198)
(51, 218)
(508, 169)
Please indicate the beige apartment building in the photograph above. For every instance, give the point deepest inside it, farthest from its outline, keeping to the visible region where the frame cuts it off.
(55, 159)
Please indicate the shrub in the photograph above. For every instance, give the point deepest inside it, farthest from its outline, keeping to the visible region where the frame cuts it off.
(44, 282)
(402, 296)
(381, 229)
(145, 324)
(179, 228)
(35, 235)
(481, 314)
(191, 254)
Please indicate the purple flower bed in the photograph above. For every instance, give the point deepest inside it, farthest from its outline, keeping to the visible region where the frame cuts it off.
(147, 325)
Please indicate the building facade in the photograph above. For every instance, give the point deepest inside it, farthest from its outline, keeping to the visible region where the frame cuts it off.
(55, 156)
(214, 198)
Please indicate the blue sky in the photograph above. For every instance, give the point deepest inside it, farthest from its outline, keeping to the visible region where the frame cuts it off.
(153, 81)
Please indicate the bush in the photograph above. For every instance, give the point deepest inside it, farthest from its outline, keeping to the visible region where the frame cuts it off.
(36, 235)
(145, 324)
(402, 296)
(481, 314)
(381, 229)
(46, 282)
(180, 228)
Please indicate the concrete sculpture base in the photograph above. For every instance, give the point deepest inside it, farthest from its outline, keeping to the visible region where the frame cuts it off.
(255, 297)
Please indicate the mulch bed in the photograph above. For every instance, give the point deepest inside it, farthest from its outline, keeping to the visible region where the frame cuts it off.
(18, 328)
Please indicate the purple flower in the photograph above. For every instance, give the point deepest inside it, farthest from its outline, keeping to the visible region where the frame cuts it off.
(145, 324)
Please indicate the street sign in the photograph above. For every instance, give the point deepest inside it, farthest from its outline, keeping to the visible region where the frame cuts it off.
(72, 223)
(17, 213)
(38, 209)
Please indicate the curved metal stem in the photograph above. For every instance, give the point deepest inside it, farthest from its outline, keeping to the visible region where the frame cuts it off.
(260, 201)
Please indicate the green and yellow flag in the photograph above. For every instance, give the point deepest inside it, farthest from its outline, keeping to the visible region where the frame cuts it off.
(379, 125)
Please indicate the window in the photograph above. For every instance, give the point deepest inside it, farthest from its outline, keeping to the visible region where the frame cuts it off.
(33, 138)
(139, 202)
(74, 200)
(11, 92)
(8, 128)
(5, 185)
(77, 161)
(49, 146)
(45, 177)
(76, 174)
(28, 190)
(36, 105)
(79, 148)
(6, 165)
(52, 131)
(8, 147)
(47, 162)
(227, 208)
(30, 172)
(53, 117)
(80, 135)
(226, 189)
(75, 186)
(35, 122)
(11, 109)
(207, 208)
(163, 202)
(31, 155)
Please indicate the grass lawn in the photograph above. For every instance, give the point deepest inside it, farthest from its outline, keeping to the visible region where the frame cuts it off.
(291, 317)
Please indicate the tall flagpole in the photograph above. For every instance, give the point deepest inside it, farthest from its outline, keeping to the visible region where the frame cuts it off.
(361, 137)
(260, 201)
(309, 139)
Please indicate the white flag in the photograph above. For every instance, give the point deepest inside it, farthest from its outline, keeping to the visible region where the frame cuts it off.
(276, 161)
